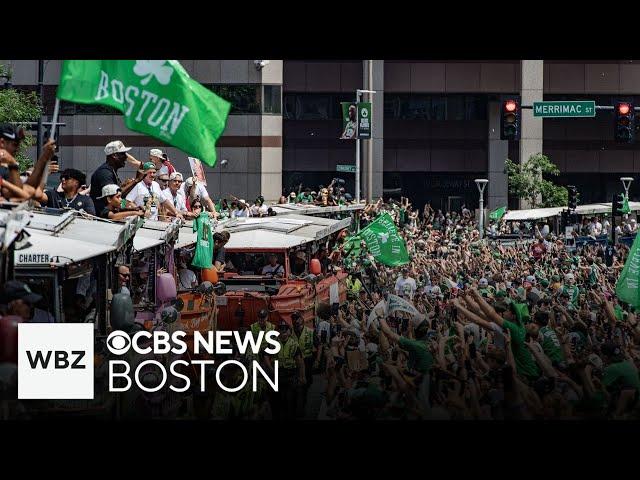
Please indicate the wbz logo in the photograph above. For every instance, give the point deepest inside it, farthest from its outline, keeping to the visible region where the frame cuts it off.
(55, 361)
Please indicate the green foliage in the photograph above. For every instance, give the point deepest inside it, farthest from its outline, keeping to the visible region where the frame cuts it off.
(18, 106)
(527, 181)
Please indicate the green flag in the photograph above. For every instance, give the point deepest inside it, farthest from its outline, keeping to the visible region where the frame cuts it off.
(383, 241)
(156, 97)
(497, 214)
(627, 286)
(625, 205)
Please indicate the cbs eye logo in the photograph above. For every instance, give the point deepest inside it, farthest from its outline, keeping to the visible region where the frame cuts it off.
(118, 342)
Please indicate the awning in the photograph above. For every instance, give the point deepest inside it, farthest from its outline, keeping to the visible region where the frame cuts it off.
(141, 242)
(47, 250)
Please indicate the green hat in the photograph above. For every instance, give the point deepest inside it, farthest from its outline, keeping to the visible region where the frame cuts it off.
(501, 293)
(544, 282)
(148, 166)
(555, 278)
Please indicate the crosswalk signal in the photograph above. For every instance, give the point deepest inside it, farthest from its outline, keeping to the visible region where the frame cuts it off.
(573, 197)
(510, 119)
(625, 127)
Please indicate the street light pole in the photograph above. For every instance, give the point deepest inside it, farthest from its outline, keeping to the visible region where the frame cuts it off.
(626, 183)
(358, 98)
(481, 184)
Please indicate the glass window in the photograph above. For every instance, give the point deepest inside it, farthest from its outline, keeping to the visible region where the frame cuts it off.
(245, 99)
(438, 108)
(313, 107)
(456, 108)
(289, 106)
(272, 99)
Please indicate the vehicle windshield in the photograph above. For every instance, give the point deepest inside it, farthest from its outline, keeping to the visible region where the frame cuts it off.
(262, 264)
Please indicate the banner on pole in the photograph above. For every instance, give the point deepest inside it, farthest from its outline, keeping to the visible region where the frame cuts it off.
(349, 121)
(364, 120)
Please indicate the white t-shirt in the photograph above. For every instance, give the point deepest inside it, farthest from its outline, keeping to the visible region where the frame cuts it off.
(163, 169)
(405, 286)
(141, 190)
(239, 213)
(187, 278)
(201, 190)
(179, 202)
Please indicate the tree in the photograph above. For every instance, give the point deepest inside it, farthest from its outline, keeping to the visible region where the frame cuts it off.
(527, 181)
(20, 107)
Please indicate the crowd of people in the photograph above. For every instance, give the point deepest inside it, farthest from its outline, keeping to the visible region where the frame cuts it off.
(529, 330)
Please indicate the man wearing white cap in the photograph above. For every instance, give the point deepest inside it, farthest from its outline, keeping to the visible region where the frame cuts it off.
(106, 174)
(161, 161)
(174, 195)
(150, 190)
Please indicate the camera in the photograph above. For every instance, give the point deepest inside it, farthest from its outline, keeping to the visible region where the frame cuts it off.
(260, 64)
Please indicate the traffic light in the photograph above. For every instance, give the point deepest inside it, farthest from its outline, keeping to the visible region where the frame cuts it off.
(573, 197)
(625, 127)
(510, 119)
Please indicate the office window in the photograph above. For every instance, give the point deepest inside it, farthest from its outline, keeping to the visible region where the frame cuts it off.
(272, 99)
(245, 99)
(313, 107)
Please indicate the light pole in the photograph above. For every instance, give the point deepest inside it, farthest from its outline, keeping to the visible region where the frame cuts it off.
(481, 183)
(626, 183)
(358, 97)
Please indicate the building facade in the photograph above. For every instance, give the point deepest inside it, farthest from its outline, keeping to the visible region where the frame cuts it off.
(435, 126)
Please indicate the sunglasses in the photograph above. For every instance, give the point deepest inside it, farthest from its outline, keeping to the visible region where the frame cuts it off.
(163, 180)
(126, 275)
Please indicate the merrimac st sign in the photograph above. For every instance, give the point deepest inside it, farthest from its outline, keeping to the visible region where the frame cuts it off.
(564, 109)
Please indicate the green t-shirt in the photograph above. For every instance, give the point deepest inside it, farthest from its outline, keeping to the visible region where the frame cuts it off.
(623, 374)
(525, 363)
(420, 357)
(204, 243)
(551, 344)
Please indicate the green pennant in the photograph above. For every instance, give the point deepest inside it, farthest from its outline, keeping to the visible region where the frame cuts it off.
(627, 285)
(383, 241)
(497, 214)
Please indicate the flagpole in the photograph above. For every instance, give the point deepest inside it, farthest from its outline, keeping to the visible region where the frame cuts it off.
(54, 121)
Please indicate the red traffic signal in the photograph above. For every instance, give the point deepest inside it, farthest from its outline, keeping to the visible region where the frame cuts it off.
(624, 108)
(510, 119)
(625, 122)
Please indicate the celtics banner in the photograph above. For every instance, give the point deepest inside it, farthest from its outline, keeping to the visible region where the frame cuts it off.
(364, 120)
(384, 243)
(156, 97)
(627, 286)
(349, 121)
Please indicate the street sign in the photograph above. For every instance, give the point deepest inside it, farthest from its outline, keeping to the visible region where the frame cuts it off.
(564, 109)
(346, 168)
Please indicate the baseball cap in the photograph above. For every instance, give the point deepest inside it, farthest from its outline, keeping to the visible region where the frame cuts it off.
(109, 190)
(75, 174)
(115, 147)
(531, 279)
(176, 176)
(189, 181)
(483, 282)
(595, 360)
(11, 132)
(155, 152)
(16, 290)
(147, 166)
